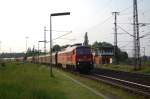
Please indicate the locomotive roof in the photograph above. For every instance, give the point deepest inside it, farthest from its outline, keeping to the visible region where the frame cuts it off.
(71, 48)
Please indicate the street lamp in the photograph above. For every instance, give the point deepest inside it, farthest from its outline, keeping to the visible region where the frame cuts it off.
(54, 14)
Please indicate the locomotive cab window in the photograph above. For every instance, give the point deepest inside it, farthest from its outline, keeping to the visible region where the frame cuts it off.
(83, 51)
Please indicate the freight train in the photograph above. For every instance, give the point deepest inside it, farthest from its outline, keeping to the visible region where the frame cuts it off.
(78, 58)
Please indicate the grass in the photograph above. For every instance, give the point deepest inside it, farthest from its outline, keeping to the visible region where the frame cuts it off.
(30, 81)
(128, 68)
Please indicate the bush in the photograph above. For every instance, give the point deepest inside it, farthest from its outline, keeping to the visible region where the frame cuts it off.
(3, 64)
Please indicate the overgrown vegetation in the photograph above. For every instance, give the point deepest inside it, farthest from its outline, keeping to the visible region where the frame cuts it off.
(32, 81)
(128, 68)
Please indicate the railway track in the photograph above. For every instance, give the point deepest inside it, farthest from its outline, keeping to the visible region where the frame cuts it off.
(131, 86)
(132, 77)
(127, 85)
(136, 83)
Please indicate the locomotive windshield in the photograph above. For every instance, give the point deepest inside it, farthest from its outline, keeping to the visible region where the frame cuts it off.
(83, 51)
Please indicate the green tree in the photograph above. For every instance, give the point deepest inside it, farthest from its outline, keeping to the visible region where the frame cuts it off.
(106, 44)
(56, 48)
(95, 45)
(122, 56)
(29, 52)
(99, 45)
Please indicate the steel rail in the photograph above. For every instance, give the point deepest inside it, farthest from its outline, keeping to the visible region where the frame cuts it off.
(130, 86)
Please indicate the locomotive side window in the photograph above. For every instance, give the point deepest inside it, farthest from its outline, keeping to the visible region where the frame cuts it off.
(73, 52)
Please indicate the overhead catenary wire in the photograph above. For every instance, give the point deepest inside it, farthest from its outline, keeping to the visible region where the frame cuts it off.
(125, 45)
(123, 10)
(62, 35)
(60, 31)
(146, 11)
(59, 37)
(68, 39)
(147, 34)
(125, 31)
(101, 23)
(107, 5)
(130, 6)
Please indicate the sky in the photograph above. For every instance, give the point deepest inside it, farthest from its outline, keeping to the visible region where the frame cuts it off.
(26, 18)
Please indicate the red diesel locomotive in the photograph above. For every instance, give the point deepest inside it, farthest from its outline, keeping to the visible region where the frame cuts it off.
(76, 57)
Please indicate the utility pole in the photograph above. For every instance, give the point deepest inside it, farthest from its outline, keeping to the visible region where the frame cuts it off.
(26, 43)
(45, 39)
(115, 38)
(33, 54)
(136, 38)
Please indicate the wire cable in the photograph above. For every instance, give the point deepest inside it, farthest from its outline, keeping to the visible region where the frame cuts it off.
(125, 31)
(101, 23)
(62, 35)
